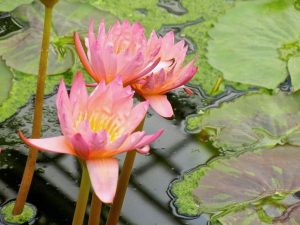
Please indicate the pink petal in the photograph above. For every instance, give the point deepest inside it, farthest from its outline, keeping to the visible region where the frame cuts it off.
(137, 114)
(160, 104)
(64, 111)
(55, 144)
(80, 146)
(78, 93)
(142, 146)
(130, 143)
(84, 60)
(104, 177)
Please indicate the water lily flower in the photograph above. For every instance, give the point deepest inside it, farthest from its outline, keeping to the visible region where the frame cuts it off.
(122, 51)
(97, 127)
(167, 75)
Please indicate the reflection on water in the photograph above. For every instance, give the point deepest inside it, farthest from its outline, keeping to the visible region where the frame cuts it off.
(56, 181)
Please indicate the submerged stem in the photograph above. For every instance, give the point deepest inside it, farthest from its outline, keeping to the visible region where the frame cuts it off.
(38, 112)
(216, 86)
(95, 213)
(115, 211)
(83, 196)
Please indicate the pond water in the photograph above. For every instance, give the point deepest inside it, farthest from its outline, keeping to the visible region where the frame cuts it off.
(55, 185)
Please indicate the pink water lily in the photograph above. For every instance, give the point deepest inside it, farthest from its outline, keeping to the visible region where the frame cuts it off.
(122, 51)
(167, 75)
(97, 127)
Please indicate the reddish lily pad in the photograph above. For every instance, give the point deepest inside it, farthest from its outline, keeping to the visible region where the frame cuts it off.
(21, 51)
(250, 217)
(250, 122)
(228, 186)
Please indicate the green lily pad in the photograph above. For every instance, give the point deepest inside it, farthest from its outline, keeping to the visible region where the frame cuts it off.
(22, 87)
(265, 180)
(9, 5)
(294, 68)
(6, 78)
(21, 51)
(250, 122)
(253, 42)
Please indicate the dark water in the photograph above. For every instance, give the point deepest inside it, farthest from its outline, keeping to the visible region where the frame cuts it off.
(147, 202)
(55, 184)
(8, 25)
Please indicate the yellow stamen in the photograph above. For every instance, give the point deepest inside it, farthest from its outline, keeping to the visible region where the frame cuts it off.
(101, 122)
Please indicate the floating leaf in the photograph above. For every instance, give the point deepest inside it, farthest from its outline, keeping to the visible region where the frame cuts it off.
(9, 5)
(21, 51)
(250, 122)
(6, 78)
(253, 42)
(265, 180)
(22, 87)
(294, 69)
(250, 217)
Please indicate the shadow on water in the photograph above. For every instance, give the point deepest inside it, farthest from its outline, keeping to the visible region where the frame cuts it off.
(55, 184)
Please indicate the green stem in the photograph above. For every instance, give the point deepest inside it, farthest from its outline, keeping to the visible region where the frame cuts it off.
(216, 86)
(83, 196)
(95, 213)
(38, 112)
(115, 211)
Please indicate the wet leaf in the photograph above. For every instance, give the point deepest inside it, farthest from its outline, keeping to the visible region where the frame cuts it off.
(9, 5)
(250, 217)
(250, 122)
(6, 78)
(20, 89)
(21, 51)
(294, 69)
(264, 180)
(253, 42)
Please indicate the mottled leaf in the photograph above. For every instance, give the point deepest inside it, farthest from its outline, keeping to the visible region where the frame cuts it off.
(9, 5)
(250, 217)
(251, 121)
(21, 50)
(265, 180)
(253, 42)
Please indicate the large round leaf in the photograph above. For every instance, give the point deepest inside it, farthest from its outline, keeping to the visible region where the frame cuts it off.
(265, 180)
(21, 51)
(250, 122)
(8, 5)
(253, 41)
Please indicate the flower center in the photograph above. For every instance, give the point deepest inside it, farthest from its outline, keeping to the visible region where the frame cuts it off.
(100, 122)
